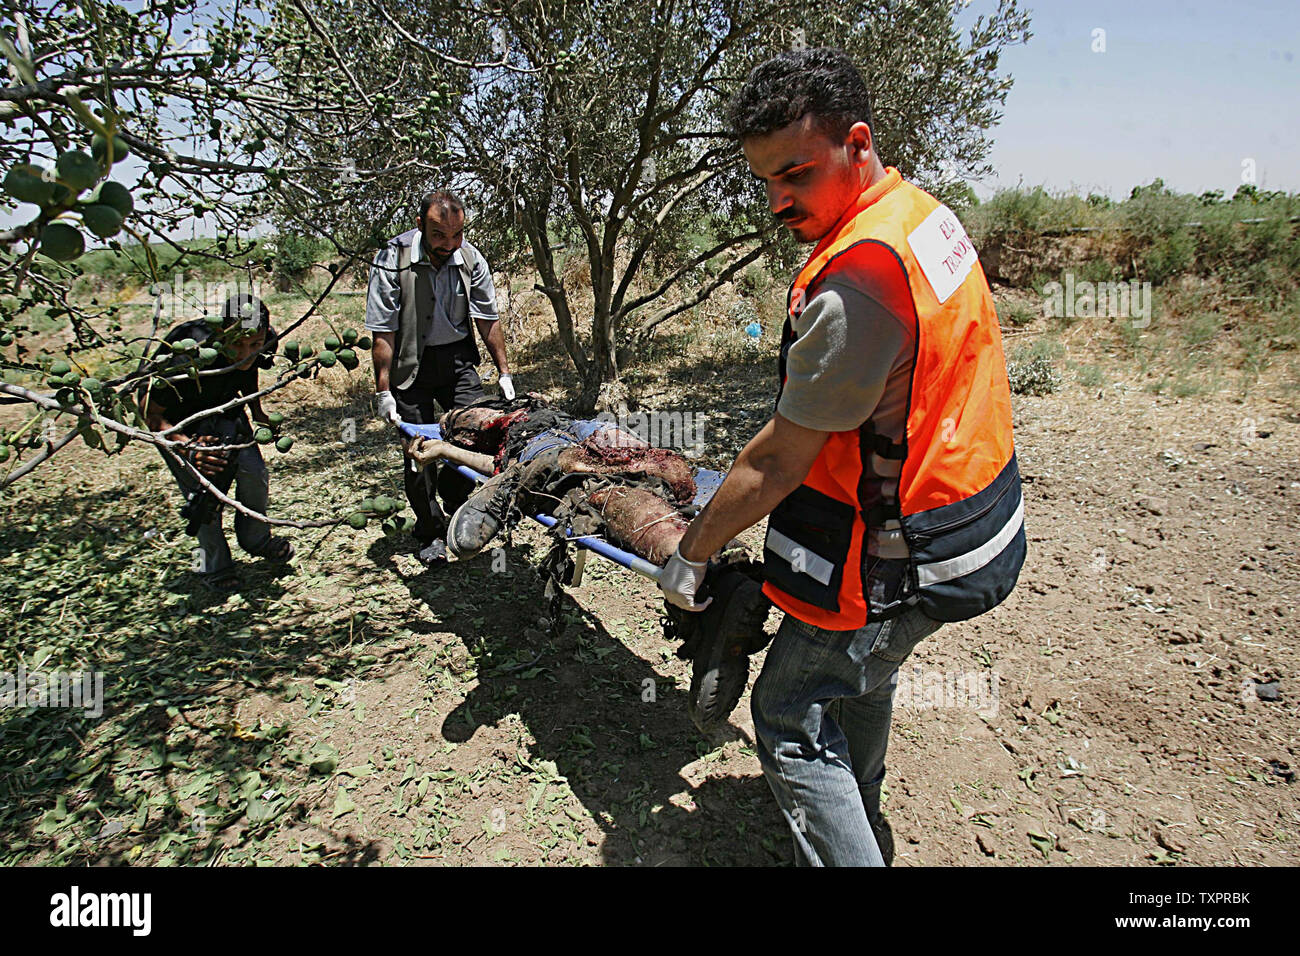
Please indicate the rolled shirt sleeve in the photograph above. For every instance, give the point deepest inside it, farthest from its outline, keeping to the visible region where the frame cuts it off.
(482, 293)
(838, 367)
(383, 297)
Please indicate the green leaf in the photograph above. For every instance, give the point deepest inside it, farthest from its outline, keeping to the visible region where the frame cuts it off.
(259, 810)
(1042, 842)
(324, 759)
(343, 803)
(20, 62)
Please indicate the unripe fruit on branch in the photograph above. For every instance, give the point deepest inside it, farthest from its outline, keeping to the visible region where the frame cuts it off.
(116, 195)
(99, 148)
(77, 169)
(62, 242)
(102, 219)
(24, 183)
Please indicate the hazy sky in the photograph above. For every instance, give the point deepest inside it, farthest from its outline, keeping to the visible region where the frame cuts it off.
(1184, 90)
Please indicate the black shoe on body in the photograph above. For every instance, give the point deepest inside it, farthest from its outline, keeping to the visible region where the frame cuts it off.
(481, 517)
(719, 641)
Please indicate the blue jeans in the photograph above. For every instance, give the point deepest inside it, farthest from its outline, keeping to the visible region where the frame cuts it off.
(822, 707)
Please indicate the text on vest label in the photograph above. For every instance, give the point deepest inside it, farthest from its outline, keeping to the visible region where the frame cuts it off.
(943, 250)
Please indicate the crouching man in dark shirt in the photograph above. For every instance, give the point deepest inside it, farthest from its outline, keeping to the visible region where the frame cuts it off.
(245, 339)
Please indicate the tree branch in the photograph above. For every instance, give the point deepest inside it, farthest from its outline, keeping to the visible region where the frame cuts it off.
(162, 444)
(723, 277)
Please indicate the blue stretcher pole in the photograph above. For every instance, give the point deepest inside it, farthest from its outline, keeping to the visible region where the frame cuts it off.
(607, 550)
(603, 548)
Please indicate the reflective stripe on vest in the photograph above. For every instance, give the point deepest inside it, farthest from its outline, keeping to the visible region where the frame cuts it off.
(959, 504)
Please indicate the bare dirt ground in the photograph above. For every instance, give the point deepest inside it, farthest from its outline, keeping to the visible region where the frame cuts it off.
(1125, 726)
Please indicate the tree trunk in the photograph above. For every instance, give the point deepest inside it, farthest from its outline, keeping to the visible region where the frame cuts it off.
(585, 407)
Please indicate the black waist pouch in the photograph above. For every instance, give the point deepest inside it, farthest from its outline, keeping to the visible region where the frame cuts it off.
(807, 545)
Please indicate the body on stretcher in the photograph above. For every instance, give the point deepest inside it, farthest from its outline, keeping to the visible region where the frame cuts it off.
(707, 482)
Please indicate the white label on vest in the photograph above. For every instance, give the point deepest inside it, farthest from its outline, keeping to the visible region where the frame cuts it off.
(944, 251)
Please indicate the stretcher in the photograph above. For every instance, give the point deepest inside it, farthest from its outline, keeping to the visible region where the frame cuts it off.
(718, 641)
(707, 483)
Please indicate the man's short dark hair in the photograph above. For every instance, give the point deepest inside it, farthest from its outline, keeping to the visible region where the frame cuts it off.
(446, 201)
(784, 89)
(239, 310)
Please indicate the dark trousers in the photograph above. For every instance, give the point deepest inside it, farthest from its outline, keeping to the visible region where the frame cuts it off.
(447, 376)
(251, 488)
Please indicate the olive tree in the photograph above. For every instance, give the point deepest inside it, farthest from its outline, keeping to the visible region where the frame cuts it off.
(599, 127)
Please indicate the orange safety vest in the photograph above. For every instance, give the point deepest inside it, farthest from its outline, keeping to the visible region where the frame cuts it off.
(958, 501)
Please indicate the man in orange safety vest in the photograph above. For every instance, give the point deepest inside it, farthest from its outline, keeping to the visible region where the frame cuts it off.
(887, 471)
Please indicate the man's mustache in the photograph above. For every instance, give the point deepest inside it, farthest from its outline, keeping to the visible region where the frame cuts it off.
(788, 214)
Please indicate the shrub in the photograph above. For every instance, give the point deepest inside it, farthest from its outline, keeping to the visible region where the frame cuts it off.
(295, 254)
(1034, 377)
(1031, 370)
(1017, 314)
(1091, 376)
(1164, 257)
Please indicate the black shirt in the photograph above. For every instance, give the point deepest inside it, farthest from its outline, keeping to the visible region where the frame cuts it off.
(182, 398)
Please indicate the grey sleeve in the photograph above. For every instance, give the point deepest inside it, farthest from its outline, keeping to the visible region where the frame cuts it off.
(482, 293)
(837, 368)
(383, 297)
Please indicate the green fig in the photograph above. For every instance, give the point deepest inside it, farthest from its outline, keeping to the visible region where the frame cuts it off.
(99, 148)
(62, 242)
(284, 444)
(26, 184)
(357, 520)
(102, 219)
(77, 169)
(263, 436)
(116, 195)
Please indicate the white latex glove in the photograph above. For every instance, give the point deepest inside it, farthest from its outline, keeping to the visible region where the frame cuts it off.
(507, 385)
(388, 407)
(679, 581)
